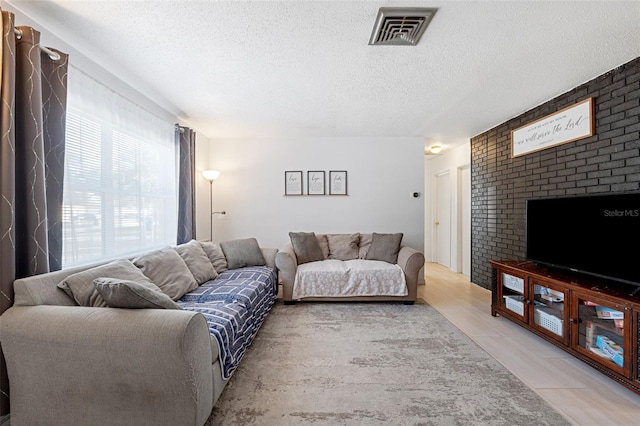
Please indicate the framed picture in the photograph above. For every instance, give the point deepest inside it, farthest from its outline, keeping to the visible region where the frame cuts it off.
(338, 182)
(570, 124)
(293, 183)
(315, 183)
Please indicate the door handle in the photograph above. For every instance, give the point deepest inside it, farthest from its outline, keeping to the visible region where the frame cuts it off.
(437, 223)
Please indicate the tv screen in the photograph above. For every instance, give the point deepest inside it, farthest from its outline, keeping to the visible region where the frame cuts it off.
(596, 235)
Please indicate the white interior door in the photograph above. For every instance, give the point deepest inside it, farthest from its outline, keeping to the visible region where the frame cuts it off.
(464, 226)
(442, 222)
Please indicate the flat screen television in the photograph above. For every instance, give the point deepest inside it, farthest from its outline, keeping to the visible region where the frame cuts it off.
(597, 235)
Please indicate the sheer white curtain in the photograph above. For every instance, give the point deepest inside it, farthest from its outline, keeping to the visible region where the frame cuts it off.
(120, 191)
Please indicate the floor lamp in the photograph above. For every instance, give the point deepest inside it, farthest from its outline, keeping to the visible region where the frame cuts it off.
(211, 175)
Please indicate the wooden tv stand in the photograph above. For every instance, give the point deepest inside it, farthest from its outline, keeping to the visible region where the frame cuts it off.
(595, 320)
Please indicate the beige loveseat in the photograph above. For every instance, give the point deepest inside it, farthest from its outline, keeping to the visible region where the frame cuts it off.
(409, 260)
(82, 365)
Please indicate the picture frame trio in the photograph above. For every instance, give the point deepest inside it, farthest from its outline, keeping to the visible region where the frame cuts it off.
(316, 182)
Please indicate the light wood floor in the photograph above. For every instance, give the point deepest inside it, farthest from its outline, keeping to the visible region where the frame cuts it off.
(579, 392)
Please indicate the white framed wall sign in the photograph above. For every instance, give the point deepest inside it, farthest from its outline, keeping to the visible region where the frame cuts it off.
(293, 183)
(337, 182)
(567, 125)
(315, 182)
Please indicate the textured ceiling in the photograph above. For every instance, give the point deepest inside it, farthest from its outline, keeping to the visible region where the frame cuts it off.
(304, 68)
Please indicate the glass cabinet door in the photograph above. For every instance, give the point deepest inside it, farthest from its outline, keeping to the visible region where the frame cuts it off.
(512, 293)
(548, 313)
(603, 331)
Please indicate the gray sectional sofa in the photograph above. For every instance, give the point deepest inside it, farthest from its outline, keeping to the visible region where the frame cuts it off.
(98, 365)
(348, 267)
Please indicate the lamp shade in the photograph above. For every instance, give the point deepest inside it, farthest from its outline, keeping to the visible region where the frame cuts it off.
(210, 175)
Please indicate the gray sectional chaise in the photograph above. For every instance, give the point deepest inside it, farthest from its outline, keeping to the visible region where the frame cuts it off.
(76, 357)
(97, 365)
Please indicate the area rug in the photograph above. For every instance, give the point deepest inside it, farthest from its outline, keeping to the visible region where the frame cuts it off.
(372, 364)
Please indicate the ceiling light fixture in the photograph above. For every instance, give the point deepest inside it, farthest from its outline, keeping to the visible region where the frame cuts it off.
(436, 148)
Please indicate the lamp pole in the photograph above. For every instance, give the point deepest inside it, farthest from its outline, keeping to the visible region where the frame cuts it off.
(211, 210)
(211, 175)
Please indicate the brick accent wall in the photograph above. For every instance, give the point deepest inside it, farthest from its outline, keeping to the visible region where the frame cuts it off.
(607, 162)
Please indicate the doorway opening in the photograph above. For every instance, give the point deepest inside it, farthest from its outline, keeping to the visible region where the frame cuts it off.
(442, 219)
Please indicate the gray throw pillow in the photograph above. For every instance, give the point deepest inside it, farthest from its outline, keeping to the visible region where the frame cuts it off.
(80, 285)
(306, 247)
(130, 294)
(343, 246)
(241, 253)
(197, 261)
(385, 247)
(215, 255)
(168, 271)
(365, 244)
(324, 245)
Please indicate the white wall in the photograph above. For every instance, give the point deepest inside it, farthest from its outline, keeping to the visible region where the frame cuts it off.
(450, 161)
(382, 173)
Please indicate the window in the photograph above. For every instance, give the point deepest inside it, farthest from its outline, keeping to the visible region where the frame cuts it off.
(120, 190)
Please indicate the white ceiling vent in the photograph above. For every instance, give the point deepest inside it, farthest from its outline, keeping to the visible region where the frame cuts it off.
(400, 26)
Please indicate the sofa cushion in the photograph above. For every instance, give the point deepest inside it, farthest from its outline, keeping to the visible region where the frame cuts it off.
(365, 244)
(243, 252)
(385, 247)
(349, 278)
(306, 247)
(232, 327)
(215, 255)
(324, 245)
(343, 246)
(168, 271)
(235, 305)
(119, 293)
(197, 261)
(245, 286)
(245, 293)
(80, 285)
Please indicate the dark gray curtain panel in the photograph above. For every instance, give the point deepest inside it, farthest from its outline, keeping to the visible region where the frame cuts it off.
(54, 115)
(32, 129)
(7, 167)
(186, 138)
(32, 255)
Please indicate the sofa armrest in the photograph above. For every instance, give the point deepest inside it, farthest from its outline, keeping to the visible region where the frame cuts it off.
(269, 255)
(287, 263)
(411, 261)
(79, 365)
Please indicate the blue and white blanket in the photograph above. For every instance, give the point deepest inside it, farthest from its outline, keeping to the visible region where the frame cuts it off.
(235, 305)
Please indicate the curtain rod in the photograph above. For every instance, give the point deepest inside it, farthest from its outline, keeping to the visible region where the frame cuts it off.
(55, 56)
